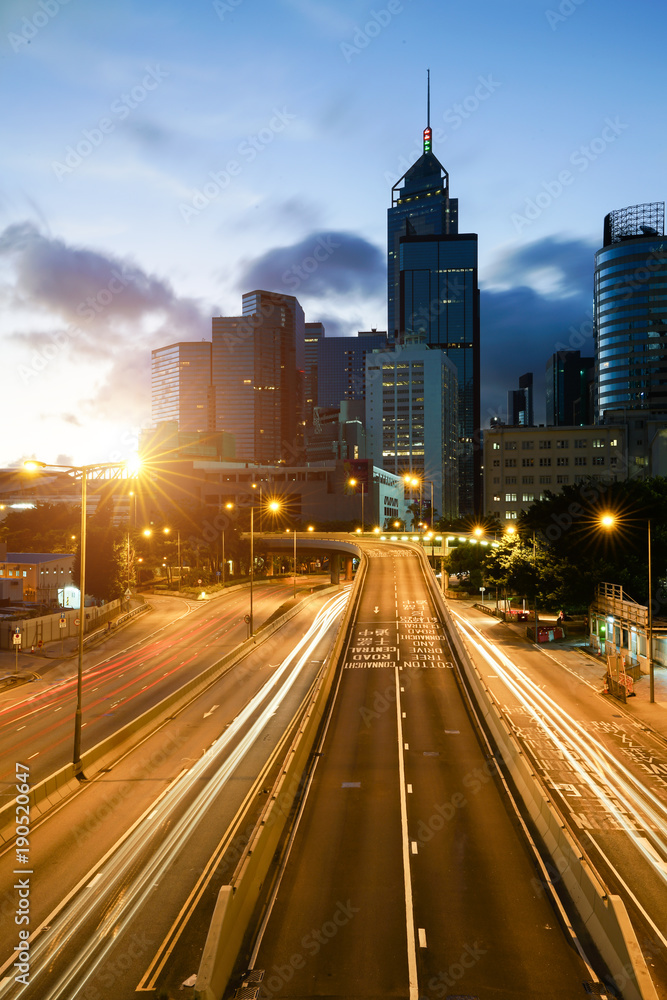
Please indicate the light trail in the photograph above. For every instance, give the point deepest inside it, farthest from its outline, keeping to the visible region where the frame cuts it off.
(599, 770)
(119, 889)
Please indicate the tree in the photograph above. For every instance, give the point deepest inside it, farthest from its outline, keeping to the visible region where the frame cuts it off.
(105, 562)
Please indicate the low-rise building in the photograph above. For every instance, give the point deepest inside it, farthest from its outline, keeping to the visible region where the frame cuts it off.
(43, 577)
(522, 464)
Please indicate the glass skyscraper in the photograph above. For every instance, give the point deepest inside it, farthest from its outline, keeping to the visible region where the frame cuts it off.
(433, 296)
(631, 311)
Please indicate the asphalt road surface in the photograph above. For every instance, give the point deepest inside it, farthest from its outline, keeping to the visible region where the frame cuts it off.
(409, 875)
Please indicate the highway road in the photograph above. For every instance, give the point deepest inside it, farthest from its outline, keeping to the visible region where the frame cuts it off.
(607, 772)
(121, 879)
(134, 670)
(409, 875)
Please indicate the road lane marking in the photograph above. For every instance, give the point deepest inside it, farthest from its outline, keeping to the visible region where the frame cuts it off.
(627, 889)
(409, 789)
(210, 711)
(422, 937)
(409, 913)
(414, 847)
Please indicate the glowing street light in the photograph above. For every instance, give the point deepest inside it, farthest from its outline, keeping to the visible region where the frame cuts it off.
(32, 465)
(273, 506)
(354, 483)
(608, 521)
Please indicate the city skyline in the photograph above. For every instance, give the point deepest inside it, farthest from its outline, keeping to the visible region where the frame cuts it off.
(116, 239)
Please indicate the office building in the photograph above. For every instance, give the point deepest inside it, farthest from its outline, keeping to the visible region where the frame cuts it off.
(569, 389)
(337, 432)
(257, 364)
(631, 310)
(412, 419)
(313, 333)
(433, 295)
(341, 366)
(522, 464)
(181, 386)
(520, 403)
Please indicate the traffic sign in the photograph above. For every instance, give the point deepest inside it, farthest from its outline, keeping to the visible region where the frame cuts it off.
(63, 622)
(77, 621)
(17, 638)
(247, 619)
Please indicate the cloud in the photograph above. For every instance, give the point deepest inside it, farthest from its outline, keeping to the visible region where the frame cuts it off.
(320, 265)
(522, 326)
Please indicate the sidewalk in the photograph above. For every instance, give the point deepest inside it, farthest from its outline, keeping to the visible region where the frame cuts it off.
(593, 668)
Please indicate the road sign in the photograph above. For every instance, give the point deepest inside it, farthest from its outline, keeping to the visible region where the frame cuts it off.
(17, 638)
(128, 592)
(77, 621)
(247, 619)
(63, 622)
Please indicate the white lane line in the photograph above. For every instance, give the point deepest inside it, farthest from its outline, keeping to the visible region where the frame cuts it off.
(414, 847)
(20, 728)
(95, 879)
(409, 789)
(57, 709)
(422, 937)
(409, 914)
(628, 890)
(33, 755)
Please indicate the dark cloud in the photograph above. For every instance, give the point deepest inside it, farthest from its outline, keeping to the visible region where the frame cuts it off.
(97, 292)
(523, 327)
(323, 264)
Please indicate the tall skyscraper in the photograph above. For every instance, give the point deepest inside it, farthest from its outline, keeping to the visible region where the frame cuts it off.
(181, 386)
(568, 389)
(257, 362)
(520, 403)
(341, 366)
(631, 310)
(433, 294)
(411, 419)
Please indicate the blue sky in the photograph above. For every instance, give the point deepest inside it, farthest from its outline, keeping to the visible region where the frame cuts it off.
(160, 158)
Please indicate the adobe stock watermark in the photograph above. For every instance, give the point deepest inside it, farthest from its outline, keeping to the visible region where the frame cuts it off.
(31, 26)
(364, 34)
(566, 8)
(581, 158)
(92, 138)
(91, 307)
(222, 7)
(247, 150)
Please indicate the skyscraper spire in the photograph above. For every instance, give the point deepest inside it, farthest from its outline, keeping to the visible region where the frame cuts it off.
(427, 130)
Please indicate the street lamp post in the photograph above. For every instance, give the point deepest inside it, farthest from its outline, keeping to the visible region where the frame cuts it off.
(273, 506)
(609, 521)
(84, 470)
(354, 483)
(295, 564)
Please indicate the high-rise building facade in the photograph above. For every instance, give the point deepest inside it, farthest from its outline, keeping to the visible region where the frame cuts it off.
(257, 362)
(631, 310)
(569, 379)
(341, 366)
(433, 295)
(181, 386)
(412, 421)
(520, 403)
(313, 333)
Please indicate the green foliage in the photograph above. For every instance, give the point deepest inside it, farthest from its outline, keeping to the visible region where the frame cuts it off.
(47, 527)
(574, 553)
(106, 562)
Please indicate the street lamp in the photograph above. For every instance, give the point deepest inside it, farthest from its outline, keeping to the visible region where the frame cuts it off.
(608, 521)
(228, 506)
(273, 506)
(83, 471)
(354, 483)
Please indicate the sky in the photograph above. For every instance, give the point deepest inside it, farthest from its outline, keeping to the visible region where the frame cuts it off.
(161, 157)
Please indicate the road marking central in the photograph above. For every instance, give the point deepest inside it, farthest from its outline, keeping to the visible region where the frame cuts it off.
(409, 913)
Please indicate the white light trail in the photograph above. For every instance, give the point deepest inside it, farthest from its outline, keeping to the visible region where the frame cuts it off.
(611, 783)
